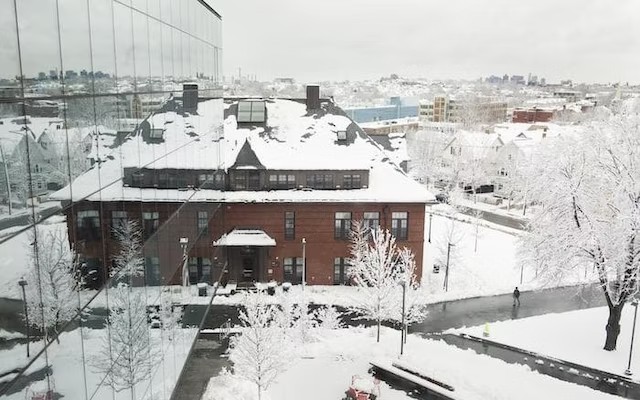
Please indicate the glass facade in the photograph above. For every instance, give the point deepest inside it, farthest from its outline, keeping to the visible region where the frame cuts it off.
(91, 305)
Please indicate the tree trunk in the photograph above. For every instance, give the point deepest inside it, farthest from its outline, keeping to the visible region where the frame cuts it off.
(379, 329)
(613, 326)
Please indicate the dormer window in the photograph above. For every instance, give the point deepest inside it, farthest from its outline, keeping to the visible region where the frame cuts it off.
(251, 111)
(342, 135)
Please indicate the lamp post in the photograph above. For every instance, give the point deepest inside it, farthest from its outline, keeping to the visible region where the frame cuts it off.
(430, 218)
(22, 282)
(184, 242)
(402, 329)
(633, 333)
(304, 262)
(446, 273)
(521, 272)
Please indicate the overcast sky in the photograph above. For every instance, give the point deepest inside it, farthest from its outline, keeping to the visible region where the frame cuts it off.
(583, 40)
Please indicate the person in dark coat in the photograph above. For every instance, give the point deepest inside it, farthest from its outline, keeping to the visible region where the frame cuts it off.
(516, 297)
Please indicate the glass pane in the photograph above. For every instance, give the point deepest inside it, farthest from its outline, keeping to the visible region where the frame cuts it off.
(124, 47)
(9, 67)
(39, 45)
(142, 49)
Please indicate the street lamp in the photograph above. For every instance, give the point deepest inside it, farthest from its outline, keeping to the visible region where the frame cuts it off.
(430, 218)
(304, 262)
(634, 303)
(184, 242)
(22, 282)
(521, 272)
(446, 273)
(402, 328)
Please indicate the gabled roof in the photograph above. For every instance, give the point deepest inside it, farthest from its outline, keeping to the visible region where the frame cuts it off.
(475, 143)
(291, 139)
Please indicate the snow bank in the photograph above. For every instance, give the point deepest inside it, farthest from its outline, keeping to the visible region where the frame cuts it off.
(576, 336)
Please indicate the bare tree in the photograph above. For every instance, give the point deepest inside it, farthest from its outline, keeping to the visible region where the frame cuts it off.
(126, 355)
(415, 307)
(373, 269)
(260, 352)
(589, 193)
(129, 262)
(52, 298)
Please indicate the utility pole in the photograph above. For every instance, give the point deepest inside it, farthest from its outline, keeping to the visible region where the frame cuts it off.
(304, 262)
(6, 177)
(446, 273)
(402, 328)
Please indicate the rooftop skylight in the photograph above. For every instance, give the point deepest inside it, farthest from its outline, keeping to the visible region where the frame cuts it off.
(251, 111)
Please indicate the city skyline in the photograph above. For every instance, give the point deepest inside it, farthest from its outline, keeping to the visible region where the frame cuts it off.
(356, 40)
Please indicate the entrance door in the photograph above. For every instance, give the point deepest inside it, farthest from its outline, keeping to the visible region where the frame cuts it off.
(248, 264)
(248, 268)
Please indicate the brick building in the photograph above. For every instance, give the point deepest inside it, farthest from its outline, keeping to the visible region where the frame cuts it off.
(529, 115)
(243, 181)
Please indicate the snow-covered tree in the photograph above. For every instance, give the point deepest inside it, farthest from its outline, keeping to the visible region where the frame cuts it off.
(129, 262)
(126, 355)
(589, 196)
(51, 290)
(328, 318)
(170, 316)
(447, 245)
(415, 307)
(477, 217)
(373, 269)
(295, 318)
(260, 352)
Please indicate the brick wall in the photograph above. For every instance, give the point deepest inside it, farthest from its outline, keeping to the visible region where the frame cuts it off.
(313, 221)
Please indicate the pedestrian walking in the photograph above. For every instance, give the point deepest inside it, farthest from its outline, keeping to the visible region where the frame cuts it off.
(516, 297)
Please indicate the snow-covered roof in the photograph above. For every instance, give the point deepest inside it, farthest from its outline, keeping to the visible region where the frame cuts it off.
(12, 130)
(475, 143)
(245, 237)
(291, 139)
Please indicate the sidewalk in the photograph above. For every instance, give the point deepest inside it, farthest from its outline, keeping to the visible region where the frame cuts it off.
(560, 369)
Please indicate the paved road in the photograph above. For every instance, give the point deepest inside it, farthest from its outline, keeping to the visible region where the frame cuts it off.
(477, 311)
(511, 222)
(24, 218)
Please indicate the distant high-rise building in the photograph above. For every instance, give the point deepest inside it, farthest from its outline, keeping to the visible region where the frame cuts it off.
(518, 79)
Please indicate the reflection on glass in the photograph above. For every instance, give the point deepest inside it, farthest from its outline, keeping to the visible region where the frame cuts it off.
(94, 77)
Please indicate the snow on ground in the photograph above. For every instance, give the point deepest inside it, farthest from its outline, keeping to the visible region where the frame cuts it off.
(576, 336)
(6, 335)
(328, 365)
(492, 269)
(66, 361)
(15, 258)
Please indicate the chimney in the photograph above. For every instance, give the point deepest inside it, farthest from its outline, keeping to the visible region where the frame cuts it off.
(190, 97)
(313, 97)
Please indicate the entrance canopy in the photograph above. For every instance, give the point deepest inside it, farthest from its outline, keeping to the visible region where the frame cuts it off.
(245, 237)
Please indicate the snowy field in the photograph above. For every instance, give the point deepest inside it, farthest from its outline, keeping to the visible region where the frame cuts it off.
(576, 336)
(77, 353)
(326, 366)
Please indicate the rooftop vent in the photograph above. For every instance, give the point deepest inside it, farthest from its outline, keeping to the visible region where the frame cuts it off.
(313, 97)
(190, 97)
